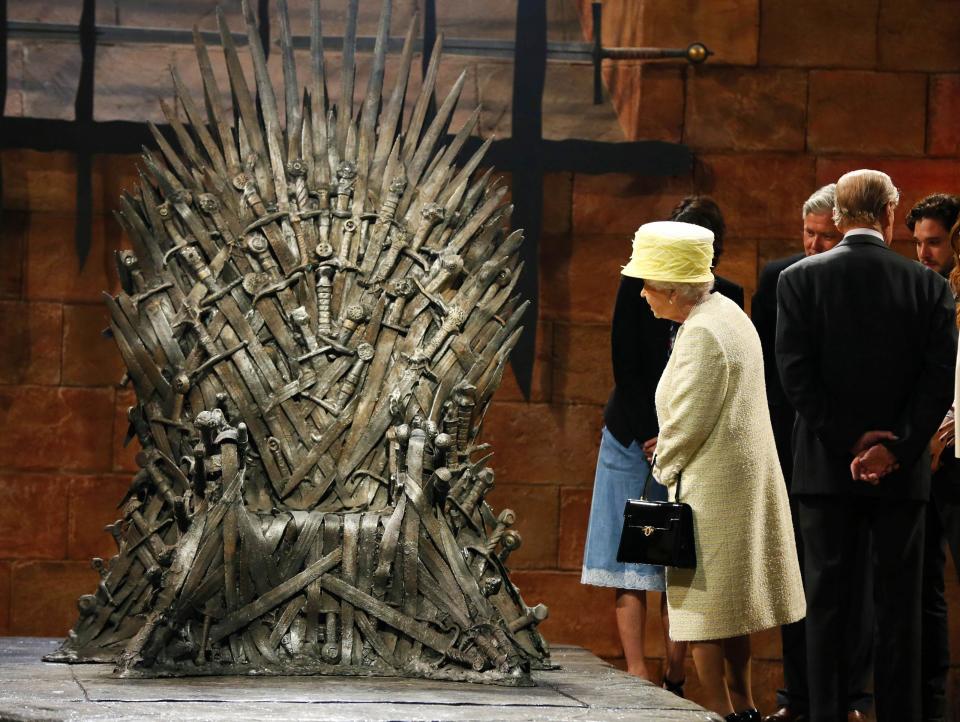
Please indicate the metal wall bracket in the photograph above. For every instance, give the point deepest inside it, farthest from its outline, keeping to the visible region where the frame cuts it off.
(695, 53)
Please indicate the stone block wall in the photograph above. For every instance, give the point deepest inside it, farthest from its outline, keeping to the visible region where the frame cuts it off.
(62, 464)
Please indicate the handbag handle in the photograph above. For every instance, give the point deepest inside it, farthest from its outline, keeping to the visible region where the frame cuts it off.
(646, 483)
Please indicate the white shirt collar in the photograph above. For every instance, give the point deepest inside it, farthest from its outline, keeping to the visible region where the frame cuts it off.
(864, 232)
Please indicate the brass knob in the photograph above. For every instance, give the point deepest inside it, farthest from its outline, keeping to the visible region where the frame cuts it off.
(698, 53)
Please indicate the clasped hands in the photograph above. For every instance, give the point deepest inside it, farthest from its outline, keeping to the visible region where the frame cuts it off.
(871, 459)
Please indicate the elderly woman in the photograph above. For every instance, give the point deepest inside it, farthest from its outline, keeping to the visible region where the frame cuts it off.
(715, 431)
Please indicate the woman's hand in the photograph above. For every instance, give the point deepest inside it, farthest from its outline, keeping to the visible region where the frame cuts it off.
(650, 448)
(947, 431)
(944, 438)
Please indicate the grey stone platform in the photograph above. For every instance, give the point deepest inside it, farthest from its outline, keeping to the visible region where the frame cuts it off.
(585, 688)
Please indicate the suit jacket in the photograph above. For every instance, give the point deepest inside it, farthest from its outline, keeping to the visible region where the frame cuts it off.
(640, 343)
(865, 341)
(763, 310)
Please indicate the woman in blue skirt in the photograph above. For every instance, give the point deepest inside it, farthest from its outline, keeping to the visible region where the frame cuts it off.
(629, 421)
(641, 346)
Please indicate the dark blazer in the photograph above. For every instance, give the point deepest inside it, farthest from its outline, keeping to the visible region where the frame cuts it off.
(640, 343)
(726, 287)
(865, 341)
(763, 311)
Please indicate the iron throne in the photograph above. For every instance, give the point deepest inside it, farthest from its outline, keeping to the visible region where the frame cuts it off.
(315, 316)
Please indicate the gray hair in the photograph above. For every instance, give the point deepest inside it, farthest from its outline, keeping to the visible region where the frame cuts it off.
(862, 198)
(688, 292)
(821, 202)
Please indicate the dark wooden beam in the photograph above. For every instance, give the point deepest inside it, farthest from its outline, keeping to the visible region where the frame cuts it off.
(3, 74)
(529, 75)
(645, 157)
(83, 115)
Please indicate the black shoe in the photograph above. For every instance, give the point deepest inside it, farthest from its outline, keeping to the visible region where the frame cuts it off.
(674, 687)
(747, 715)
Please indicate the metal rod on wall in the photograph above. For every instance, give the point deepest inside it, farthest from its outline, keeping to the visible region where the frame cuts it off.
(560, 50)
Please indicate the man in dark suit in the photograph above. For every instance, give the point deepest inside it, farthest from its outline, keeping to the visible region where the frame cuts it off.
(865, 345)
(819, 235)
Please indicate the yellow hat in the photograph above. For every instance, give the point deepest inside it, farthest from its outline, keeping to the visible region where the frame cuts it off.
(671, 251)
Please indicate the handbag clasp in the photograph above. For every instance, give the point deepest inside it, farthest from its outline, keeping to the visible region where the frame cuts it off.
(647, 530)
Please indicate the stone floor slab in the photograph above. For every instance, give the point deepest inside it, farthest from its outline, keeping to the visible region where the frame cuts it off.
(308, 690)
(583, 688)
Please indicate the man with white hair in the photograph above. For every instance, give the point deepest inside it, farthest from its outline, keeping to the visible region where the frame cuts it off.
(865, 346)
(819, 234)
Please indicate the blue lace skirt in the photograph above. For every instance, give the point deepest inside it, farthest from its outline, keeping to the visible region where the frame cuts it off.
(620, 476)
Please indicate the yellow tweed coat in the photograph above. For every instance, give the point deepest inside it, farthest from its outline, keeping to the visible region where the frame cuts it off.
(715, 429)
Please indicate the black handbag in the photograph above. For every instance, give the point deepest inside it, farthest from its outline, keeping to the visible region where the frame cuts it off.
(657, 532)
